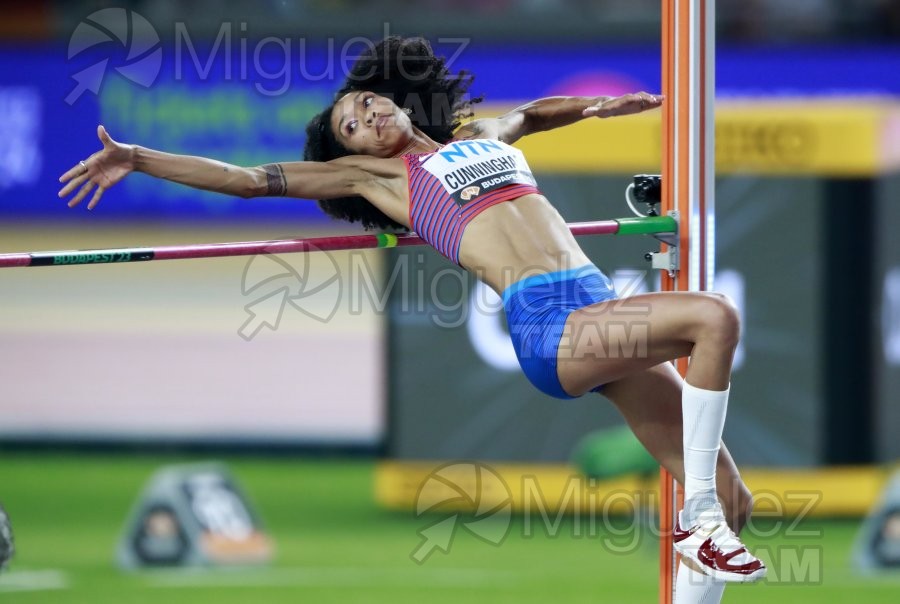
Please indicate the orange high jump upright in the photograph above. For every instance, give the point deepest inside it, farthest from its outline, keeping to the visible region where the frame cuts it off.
(688, 187)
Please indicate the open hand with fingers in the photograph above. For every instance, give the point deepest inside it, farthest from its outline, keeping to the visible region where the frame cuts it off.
(625, 105)
(102, 170)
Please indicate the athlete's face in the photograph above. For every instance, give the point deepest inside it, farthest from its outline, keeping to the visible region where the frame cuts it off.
(369, 124)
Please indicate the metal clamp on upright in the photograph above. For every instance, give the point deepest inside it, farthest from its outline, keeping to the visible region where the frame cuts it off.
(647, 189)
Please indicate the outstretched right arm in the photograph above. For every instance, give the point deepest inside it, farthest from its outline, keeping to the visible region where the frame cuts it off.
(312, 180)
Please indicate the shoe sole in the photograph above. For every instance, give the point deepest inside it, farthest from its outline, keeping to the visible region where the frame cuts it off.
(723, 575)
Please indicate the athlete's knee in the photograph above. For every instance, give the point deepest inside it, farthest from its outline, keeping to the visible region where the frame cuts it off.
(721, 318)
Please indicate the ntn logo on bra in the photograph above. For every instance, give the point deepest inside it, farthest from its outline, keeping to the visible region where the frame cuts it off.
(468, 148)
(467, 169)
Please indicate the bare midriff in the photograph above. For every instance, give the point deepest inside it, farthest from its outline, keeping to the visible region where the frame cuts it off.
(516, 239)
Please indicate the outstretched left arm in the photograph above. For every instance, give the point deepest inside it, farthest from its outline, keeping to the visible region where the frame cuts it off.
(555, 112)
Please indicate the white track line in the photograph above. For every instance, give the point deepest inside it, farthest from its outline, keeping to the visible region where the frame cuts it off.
(328, 576)
(33, 580)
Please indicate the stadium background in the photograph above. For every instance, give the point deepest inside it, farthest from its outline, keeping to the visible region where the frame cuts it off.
(333, 420)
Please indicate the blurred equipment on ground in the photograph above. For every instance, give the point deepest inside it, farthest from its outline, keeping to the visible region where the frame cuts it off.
(878, 543)
(193, 515)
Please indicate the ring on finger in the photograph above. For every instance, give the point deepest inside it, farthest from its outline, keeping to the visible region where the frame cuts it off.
(83, 165)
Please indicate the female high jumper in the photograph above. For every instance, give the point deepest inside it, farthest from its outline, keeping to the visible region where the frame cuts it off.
(390, 153)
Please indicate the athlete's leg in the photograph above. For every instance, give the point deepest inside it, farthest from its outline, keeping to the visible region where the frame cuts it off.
(694, 587)
(610, 341)
(650, 402)
(607, 341)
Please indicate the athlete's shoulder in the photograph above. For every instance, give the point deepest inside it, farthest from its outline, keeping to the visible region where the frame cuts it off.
(488, 128)
(507, 128)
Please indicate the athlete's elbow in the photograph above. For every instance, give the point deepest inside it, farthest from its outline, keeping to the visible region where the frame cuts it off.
(255, 183)
(247, 192)
(250, 191)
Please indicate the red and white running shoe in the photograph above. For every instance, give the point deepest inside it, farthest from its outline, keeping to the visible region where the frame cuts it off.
(716, 549)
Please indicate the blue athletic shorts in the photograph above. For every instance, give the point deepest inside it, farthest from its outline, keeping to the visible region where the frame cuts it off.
(536, 311)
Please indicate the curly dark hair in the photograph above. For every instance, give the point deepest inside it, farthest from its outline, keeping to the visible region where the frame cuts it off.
(407, 71)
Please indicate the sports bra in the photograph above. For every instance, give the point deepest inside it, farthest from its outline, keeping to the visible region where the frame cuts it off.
(451, 186)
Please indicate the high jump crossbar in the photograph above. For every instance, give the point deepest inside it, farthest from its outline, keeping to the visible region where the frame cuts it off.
(650, 225)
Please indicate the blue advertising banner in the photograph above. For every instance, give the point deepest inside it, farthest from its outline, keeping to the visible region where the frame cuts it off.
(248, 101)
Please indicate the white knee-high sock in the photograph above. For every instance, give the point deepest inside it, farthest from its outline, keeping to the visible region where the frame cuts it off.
(703, 416)
(692, 587)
